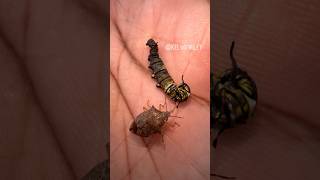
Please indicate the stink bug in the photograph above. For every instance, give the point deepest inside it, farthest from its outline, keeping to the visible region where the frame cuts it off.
(151, 121)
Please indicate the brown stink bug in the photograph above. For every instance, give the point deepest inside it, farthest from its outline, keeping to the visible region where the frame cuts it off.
(151, 121)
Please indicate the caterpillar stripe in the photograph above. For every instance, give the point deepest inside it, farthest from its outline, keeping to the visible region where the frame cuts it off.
(177, 93)
(234, 98)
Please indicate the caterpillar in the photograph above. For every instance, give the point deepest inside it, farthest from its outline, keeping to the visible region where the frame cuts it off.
(177, 93)
(234, 98)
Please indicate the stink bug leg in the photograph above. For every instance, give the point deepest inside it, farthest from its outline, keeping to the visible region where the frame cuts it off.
(174, 124)
(160, 107)
(177, 104)
(162, 139)
(148, 106)
(163, 105)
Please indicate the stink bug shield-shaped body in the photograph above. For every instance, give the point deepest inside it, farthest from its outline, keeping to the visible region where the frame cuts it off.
(177, 93)
(151, 121)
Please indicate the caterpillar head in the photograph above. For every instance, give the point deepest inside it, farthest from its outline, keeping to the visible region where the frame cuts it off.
(183, 91)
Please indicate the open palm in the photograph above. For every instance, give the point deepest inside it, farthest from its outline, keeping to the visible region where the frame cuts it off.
(185, 152)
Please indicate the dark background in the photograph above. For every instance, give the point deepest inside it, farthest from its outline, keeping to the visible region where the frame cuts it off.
(53, 88)
(53, 91)
(278, 44)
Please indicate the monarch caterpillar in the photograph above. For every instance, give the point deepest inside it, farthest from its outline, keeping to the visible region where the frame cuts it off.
(177, 93)
(234, 98)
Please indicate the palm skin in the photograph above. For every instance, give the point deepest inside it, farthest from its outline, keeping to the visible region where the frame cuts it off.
(185, 153)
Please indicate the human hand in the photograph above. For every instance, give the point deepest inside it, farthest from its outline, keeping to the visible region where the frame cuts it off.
(185, 154)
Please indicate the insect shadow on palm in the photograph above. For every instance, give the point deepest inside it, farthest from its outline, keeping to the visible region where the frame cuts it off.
(177, 93)
(152, 121)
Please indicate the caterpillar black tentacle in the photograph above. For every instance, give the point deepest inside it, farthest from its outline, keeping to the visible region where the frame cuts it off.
(177, 93)
(234, 98)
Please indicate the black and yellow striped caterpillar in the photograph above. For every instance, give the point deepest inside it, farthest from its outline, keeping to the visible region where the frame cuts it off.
(177, 93)
(234, 96)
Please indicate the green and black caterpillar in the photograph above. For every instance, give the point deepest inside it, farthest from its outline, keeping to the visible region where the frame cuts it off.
(234, 96)
(177, 93)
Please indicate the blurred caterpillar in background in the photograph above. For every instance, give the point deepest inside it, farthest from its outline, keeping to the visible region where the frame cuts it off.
(177, 93)
(234, 96)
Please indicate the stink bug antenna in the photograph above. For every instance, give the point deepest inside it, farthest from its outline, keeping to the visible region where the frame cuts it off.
(174, 108)
(176, 116)
(234, 63)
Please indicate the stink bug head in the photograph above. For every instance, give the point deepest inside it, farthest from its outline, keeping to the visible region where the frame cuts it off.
(164, 115)
(133, 127)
